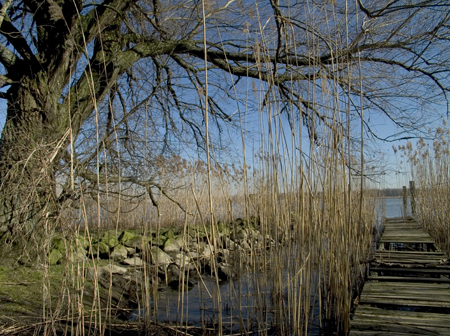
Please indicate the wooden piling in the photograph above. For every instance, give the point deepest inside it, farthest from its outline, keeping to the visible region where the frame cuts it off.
(412, 191)
(405, 202)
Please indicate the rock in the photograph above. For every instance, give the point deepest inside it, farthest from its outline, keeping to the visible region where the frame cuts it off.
(159, 257)
(169, 234)
(75, 255)
(59, 243)
(94, 273)
(225, 271)
(238, 233)
(245, 245)
(135, 261)
(171, 245)
(81, 241)
(207, 252)
(159, 240)
(111, 238)
(126, 236)
(100, 248)
(54, 256)
(193, 255)
(3, 229)
(181, 241)
(138, 242)
(182, 260)
(131, 250)
(223, 229)
(114, 269)
(119, 253)
(174, 278)
(229, 244)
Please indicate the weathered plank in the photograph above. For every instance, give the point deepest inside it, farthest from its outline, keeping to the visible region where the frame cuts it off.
(410, 280)
(404, 278)
(409, 270)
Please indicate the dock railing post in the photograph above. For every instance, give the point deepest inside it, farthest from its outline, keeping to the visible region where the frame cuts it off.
(405, 201)
(412, 191)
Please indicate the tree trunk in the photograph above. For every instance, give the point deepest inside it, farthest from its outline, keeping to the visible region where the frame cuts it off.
(28, 154)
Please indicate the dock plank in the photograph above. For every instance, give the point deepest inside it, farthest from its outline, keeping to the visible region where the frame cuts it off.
(404, 282)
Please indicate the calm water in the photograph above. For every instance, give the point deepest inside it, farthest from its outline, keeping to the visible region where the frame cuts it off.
(394, 207)
(196, 305)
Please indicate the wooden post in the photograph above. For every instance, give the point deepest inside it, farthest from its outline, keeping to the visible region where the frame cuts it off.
(405, 201)
(412, 191)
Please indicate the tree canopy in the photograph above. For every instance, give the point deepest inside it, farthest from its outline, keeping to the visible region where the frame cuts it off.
(97, 90)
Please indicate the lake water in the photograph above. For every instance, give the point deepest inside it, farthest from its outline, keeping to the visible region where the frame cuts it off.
(394, 207)
(196, 306)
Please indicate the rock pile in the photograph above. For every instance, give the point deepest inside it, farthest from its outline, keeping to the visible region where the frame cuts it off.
(167, 256)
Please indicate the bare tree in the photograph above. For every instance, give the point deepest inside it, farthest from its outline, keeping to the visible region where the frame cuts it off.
(96, 90)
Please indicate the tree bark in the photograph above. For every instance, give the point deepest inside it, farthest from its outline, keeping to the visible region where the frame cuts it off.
(28, 153)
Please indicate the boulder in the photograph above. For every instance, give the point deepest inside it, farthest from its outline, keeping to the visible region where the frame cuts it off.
(193, 254)
(223, 229)
(119, 253)
(94, 273)
(114, 269)
(159, 257)
(169, 234)
(207, 252)
(135, 261)
(126, 236)
(75, 254)
(225, 271)
(182, 260)
(131, 251)
(82, 241)
(111, 238)
(174, 278)
(54, 256)
(138, 242)
(171, 245)
(100, 248)
(159, 240)
(59, 243)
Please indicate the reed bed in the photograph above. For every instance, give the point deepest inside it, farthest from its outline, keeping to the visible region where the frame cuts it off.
(305, 186)
(429, 164)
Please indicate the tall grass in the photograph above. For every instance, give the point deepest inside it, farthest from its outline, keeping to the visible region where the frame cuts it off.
(429, 164)
(305, 186)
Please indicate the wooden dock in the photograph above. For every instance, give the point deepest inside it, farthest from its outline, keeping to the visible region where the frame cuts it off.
(408, 288)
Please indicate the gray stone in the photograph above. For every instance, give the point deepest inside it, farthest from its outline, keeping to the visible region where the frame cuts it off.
(75, 254)
(207, 252)
(114, 269)
(193, 255)
(159, 240)
(182, 260)
(100, 248)
(126, 236)
(3, 228)
(94, 273)
(111, 238)
(135, 261)
(169, 234)
(81, 241)
(171, 245)
(131, 250)
(226, 271)
(119, 253)
(139, 242)
(159, 257)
